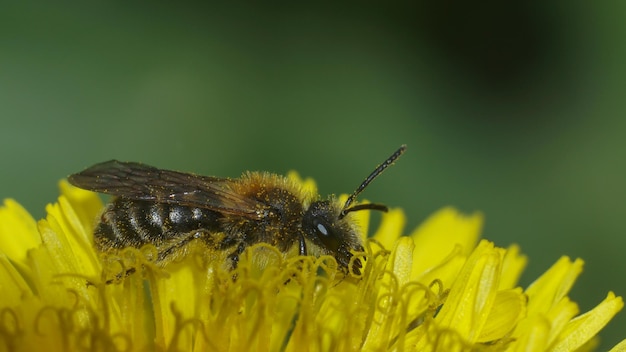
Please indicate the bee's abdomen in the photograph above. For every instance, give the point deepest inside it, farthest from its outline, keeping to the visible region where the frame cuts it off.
(130, 223)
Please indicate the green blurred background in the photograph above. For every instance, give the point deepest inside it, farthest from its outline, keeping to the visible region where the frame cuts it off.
(513, 110)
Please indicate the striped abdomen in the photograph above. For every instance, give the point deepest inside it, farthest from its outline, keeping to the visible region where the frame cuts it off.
(131, 223)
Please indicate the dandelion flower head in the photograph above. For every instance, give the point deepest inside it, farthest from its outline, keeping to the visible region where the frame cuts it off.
(436, 288)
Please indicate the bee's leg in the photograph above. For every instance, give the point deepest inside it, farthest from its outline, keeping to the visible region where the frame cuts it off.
(301, 251)
(168, 249)
(179, 242)
(121, 276)
(234, 256)
(302, 246)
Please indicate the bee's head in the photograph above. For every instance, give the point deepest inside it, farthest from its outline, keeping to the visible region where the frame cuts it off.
(326, 225)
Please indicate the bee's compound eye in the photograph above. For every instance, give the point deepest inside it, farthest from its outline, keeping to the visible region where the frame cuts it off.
(318, 223)
(326, 234)
(321, 229)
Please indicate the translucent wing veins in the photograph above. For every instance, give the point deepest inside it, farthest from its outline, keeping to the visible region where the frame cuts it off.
(142, 182)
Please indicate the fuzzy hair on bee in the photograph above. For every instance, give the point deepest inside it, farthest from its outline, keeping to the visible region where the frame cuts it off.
(169, 209)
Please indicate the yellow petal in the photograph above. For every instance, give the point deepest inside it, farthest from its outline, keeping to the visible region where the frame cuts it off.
(401, 260)
(390, 229)
(18, 231)
(13, 285)
(389, 298)
(536, 337)
(584, 327)
(512, 267)
(68, 242)
(620, 347)
(508, 309)
(444, 234)
(553, 285)
(85, 204)
(559, 315)
(473, 293)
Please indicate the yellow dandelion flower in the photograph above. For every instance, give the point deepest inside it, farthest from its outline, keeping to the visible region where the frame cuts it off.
(440, 288)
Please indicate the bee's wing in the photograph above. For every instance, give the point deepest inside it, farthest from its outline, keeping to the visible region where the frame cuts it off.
(142, 182)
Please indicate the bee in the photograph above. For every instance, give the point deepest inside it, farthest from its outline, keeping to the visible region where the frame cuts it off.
(169, 209)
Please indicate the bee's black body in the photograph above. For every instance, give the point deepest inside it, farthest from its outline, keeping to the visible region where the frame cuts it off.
(168, 209)
(133, 223)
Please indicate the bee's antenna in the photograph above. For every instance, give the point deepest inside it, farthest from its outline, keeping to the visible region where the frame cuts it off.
(379, 170)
